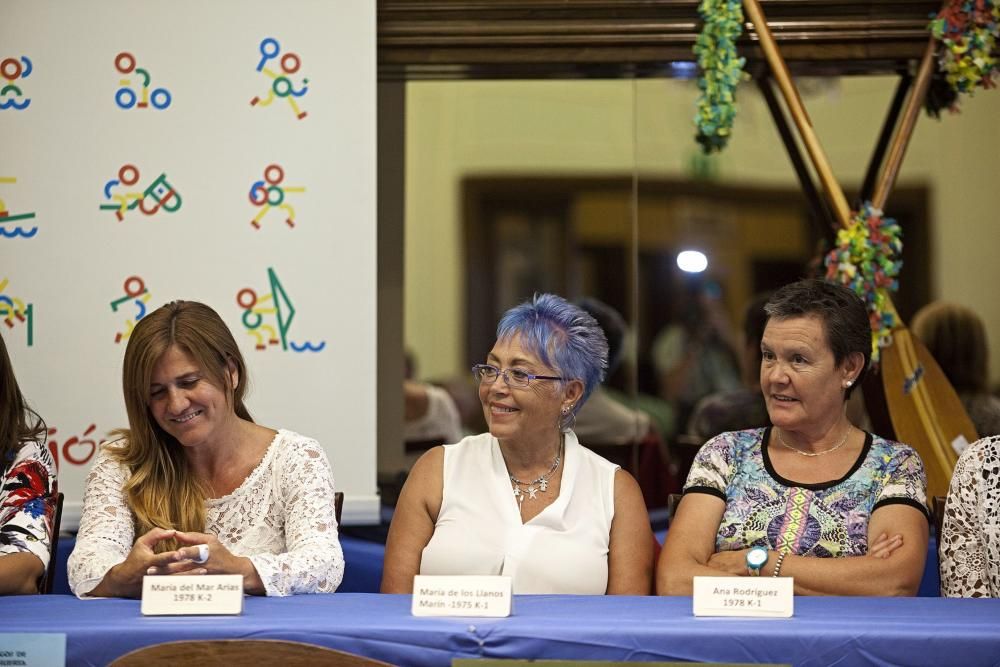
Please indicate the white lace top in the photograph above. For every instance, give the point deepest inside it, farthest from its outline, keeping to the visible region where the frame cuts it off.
(281, 517)
(970, 537)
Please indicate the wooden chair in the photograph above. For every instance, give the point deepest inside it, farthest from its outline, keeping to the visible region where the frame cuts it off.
(228, 652)
(338, 505)
(50, 571)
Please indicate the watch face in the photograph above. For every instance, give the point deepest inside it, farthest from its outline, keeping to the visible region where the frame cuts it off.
(756, 557)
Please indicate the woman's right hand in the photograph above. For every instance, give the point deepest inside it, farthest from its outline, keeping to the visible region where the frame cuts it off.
(884, 545)
(125, 579)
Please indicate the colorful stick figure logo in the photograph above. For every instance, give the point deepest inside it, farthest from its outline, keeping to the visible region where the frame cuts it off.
(11, 95)
(269, 194)
(126, 98)
(7, 217)
(281, 85)
(136, 292)
(13, 311)
(158, 194)
(280, 306)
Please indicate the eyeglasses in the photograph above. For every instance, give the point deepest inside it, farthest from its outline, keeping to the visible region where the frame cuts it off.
(487, 374)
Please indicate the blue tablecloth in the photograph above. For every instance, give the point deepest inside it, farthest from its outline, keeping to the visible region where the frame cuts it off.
(824, 631)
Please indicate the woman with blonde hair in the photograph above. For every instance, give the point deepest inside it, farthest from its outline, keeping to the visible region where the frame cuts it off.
(27, 489)
(194, 486)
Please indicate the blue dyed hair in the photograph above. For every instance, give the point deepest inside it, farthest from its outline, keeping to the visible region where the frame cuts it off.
(564, 337)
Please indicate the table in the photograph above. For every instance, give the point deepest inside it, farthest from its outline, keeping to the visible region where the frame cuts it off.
(824, 631)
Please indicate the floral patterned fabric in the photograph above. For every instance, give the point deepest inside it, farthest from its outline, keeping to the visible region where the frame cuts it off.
(969, 552)
(28, 502)
(828, 519)
(281, 517)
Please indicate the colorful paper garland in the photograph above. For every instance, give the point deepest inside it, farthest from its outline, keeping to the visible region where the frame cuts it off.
(866, 259)
(968, 31)
(721, 71)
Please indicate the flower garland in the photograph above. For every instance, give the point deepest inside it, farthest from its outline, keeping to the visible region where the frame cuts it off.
(721, 71)
(866, 260)
(968, 30)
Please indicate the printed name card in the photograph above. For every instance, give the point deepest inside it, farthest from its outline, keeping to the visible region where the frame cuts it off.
(758, 597)
(33, 649)
(462, 596)
(192, 594)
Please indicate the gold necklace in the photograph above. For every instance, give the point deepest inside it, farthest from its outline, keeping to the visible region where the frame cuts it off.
(840, 444)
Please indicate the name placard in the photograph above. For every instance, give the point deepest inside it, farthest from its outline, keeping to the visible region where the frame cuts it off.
(758, 597)
(462, 596)
(192, 594)
(33, 649)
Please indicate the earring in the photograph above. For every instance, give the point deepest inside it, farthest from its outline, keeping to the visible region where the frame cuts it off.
(848, 384)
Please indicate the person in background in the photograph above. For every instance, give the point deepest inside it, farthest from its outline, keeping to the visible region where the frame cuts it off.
(741, 408)
(615, 422)
(28, 494)
(811, 497)
(526, 499)
(604, 419)
(429, 412)
(695, 355)
(956, 338)
(194, 486)
(969, 552)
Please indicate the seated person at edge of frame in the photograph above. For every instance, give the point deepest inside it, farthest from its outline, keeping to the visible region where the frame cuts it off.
(810, 497)
(194, 486)
(28, 491)
(970, 536)
(527, 500)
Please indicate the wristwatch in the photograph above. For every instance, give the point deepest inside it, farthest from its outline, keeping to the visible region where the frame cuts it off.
(756, 558)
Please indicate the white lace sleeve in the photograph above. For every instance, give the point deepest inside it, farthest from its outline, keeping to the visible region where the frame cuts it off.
(106, 526)
(313, 561)
(964, 560)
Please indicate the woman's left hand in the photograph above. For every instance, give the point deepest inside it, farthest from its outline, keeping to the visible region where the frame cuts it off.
(730, 562)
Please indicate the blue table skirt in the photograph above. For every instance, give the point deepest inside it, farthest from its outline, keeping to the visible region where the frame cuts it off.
(824, 631)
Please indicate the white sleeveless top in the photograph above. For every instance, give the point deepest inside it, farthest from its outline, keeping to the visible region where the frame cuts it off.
(479, 530)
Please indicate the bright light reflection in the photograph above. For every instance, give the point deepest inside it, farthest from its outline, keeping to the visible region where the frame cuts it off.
(692, 261)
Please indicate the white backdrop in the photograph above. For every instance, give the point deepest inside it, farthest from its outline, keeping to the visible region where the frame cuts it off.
(72, 278)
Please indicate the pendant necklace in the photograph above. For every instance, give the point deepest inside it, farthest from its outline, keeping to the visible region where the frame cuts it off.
(539, 485)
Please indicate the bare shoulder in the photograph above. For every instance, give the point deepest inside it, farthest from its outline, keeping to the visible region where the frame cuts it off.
(625, 485)
(425, 483)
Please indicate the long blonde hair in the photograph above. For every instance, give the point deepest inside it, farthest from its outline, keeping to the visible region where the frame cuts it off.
(161, 490)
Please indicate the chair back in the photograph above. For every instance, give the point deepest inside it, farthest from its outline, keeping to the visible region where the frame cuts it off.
(338, 505)
(228, 652)
(937, 512)
(673, 500)
(50, 571)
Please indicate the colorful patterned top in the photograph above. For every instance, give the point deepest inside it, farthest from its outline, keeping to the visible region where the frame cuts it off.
(828, 519)
(28, 502)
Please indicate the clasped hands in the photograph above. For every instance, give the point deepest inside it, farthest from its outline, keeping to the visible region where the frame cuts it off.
(734, 563)
(143, 559)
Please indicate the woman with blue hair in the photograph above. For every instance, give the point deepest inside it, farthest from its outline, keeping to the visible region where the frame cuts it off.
(527, 500)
